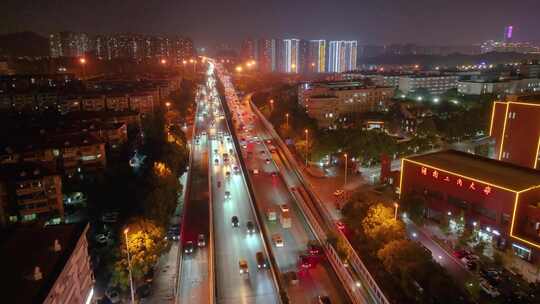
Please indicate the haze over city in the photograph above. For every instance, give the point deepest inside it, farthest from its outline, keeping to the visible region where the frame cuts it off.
(270, 152)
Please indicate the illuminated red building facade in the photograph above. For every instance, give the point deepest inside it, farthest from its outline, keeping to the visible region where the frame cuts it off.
(502, 200)
(515, 127)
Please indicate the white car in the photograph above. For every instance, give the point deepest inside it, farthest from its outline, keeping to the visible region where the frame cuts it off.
(278, 241)
(490, 290)
(255, 171)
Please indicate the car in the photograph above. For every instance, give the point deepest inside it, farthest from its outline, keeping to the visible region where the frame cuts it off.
(189, 248)
(250, 227)
(227, 174)
(315, 249)
(488, 289)
(273, 174)
(201, 240)
(227, 195)
(267, 161)
(102, 238)
(340, 225)
(338, 192)
(323, 300)
(292, 276)
(284, 208)
(216, 161)
(113, 295)
(231, 151)
(243, 266)
(262, 152)
(236, 169)
(471, 265)
(235, 222)
(255, 171)
(459, 254)
(215, 151)
(305, 261)
(197, 142)
(262, 263)
(492, 275)
(110, 217)
(278, 241)
(219, 184)
(144, 291)
(469, 258)
(268, 141)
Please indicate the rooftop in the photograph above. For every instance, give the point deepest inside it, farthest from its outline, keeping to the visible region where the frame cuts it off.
(24, 248)
(491, 171)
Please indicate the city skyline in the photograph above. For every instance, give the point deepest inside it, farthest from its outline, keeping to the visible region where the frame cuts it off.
(370, 23)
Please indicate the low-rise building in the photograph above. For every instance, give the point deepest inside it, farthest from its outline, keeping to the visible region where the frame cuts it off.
(515, 129)
(331, 103)
(47, 265)
(434, 84)
(498, 200)
(29, 192)
(67, 153)
(507, 86)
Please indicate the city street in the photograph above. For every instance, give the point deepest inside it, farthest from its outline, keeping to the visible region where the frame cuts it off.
(194, 277)
(230, 197)
(271, 192)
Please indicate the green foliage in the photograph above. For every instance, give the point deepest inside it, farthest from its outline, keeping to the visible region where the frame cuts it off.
(145, 243)
(380, 226)
(415, 207)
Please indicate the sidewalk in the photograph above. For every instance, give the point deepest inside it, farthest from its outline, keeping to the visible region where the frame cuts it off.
(334, 180)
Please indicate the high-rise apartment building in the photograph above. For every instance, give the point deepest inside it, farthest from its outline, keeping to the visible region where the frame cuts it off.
(342, 56)
(69, 44)
(131, 46)
(264, 55)
(292, 55)
(248, 49)
(317, 56)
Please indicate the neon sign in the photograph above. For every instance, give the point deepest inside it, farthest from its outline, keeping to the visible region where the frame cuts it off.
(471, 185)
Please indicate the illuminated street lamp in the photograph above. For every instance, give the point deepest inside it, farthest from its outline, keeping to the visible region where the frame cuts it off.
(395, 211)
(287, 120)
(163, 61)
(129, 267)
(313, 67)
(239, 69)
(271, 105)
(293, 67)
(82, 61)
(307, 145)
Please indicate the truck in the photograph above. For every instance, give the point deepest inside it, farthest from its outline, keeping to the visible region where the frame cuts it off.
(271, 214)
(285, 220)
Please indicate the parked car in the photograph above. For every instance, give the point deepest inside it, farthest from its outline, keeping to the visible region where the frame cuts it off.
(490, 290)
(227, 195)
(323, 300)
(144, 291)
(113, 295)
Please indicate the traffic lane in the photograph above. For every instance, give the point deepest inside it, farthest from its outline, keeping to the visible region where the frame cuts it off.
(326, 278)
(272, 192)
(237, 244)
(194, 279)
(445, 259)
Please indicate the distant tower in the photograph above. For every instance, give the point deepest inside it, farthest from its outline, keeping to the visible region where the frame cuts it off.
(508, 32)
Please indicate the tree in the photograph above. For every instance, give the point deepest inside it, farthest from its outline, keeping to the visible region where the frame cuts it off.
(415, 206)
(380, 226)
(145, 242)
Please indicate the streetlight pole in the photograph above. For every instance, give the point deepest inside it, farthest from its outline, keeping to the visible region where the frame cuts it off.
(287, 120)
(345, 182)
(395, 211)
(271, 105)
(307, 145)
(83, 64)
(129, 267)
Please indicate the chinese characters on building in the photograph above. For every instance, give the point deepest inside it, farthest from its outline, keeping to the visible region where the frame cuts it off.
(458, 181)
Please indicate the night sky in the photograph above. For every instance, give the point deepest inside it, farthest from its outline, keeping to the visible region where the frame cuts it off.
(442, 22)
